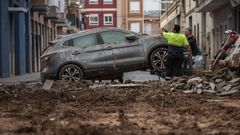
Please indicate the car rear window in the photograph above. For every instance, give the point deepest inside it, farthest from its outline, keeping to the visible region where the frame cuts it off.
(110, 37)
(82, 41)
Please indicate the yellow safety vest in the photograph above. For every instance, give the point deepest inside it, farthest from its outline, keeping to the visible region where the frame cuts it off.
(176, 39)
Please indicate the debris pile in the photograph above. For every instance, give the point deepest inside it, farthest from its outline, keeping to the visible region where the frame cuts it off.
(223, 82)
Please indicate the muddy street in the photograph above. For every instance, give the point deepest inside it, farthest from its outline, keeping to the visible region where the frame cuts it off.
(144, 109)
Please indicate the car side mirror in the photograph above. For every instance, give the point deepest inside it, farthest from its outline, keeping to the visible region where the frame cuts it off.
(131, 37)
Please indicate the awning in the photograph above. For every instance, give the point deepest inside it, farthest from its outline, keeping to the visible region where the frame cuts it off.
(17, 9)
(210, 5)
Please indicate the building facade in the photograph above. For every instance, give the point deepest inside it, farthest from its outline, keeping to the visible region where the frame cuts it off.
(164, 4)
(151, 22)
(198, 23)
(135, 15)
(173, 15)
(74, 16)
(130, 15)
(122, 14)
(217, 17)
(15, 46)
(27, 26)
(207, 18)
(100, 13)
(48, 20)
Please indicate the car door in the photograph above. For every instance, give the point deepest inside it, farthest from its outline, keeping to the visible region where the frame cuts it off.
(121, 54)
(87, 51)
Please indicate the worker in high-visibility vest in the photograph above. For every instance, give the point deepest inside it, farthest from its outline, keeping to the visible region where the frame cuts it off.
(177, 43)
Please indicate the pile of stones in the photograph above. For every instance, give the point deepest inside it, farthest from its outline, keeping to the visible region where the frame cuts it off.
(221, 83)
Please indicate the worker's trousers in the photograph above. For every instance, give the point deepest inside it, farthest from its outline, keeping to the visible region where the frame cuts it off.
(174, 64)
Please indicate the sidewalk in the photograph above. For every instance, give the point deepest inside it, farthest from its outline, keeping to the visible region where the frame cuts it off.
(140, 76)
(27, 78)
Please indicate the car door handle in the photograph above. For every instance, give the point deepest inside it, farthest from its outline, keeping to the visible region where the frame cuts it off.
(76, 52)
(109, 47)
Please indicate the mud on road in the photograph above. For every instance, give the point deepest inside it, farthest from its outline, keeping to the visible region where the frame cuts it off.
(76, 109)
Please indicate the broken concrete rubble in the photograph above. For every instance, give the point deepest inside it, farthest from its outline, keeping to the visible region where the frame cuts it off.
(233, 60)
(48, 84)
(223, 82)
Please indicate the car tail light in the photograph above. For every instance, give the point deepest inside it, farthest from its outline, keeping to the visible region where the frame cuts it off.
(47, 58)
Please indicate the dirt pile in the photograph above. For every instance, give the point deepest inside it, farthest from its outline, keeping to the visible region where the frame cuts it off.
(146, 108)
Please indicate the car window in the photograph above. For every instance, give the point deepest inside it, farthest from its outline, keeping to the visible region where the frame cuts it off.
(85, 41)
(82, 42)
(68, 43)
(111, 37)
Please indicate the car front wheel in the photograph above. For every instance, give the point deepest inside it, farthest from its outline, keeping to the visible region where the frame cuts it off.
(71, 72)
(158, 59)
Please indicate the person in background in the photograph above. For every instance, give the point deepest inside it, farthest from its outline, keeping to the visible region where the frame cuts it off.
(177, 43)
(192, 42)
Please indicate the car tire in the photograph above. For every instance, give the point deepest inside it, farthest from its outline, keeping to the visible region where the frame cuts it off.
(71, 72)
(120, 78)
(158, 59)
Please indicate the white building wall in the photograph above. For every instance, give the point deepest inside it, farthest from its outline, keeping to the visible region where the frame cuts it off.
(53, 2)
(202, 27)
(170, 16)
(209, 36)
(62, 6)
(208, 28)
(59, 3)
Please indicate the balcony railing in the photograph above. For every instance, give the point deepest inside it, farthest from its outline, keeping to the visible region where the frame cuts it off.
(73, 9)
(54, 9)
(40, 6)
(53, 13)
(39, 2)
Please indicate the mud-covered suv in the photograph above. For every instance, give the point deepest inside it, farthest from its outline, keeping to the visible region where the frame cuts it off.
(103, 53)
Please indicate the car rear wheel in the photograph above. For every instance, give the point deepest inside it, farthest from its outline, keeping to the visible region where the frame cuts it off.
(158, 59)
(71, 72)
(120, 78)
